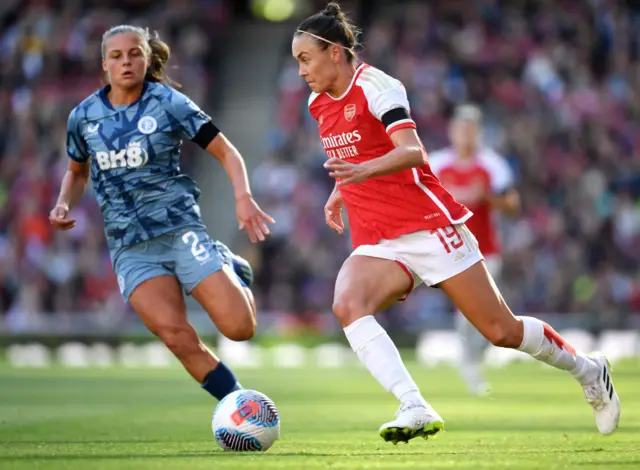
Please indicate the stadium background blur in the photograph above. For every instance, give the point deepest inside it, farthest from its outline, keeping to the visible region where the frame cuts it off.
(558, 82)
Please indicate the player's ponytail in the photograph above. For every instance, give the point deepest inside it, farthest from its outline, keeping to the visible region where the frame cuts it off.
(160, 53)
(332, 26)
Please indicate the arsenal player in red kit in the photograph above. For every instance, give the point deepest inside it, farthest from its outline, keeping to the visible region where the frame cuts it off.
(407, 229)
(483, 181)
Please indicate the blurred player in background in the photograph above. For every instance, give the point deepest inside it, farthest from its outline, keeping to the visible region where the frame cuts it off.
(407, 229)
(482, 180)
(127, 136)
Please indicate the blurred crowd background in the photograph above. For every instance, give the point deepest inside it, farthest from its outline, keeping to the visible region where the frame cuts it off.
(558, 82)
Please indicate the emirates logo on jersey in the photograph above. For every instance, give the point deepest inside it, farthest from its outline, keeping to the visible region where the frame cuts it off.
(349, 112)
(341, 145)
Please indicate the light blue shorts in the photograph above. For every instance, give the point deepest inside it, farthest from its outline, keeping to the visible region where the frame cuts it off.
(189, 254)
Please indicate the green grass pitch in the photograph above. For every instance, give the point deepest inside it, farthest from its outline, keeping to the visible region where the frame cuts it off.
(160, 419)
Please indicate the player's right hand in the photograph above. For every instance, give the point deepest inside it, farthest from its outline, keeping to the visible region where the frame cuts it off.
(252, 219)
(333, 212)
(59, 218)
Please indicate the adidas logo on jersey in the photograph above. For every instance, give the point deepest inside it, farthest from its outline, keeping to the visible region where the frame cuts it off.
(134, 156)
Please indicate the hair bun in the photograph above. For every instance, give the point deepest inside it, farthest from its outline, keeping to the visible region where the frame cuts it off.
(333, 9)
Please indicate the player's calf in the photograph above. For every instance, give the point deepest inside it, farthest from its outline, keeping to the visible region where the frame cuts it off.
(181, 340)
(242, 330)
(506, 332)
(227, 303)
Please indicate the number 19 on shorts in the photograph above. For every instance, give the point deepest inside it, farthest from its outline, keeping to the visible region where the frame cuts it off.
(449, 237)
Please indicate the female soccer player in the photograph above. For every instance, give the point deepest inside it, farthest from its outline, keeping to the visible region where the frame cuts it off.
(128, 136)
(406, 229)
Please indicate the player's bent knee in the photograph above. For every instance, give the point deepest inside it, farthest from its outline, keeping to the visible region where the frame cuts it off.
(348, 310)
(181, 340)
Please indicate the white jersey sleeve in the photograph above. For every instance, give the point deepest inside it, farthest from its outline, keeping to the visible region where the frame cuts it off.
(439, 159)
(502, 177)
(387, 99)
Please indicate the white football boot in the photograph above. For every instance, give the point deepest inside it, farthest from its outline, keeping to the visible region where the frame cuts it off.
(603, 398)
(412, 420)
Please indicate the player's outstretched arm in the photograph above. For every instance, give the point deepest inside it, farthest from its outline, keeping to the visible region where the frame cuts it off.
(250, 216)
(409, 153)
(74, 183)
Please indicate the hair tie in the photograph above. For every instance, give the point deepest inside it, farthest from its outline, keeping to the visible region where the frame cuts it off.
(326, 40)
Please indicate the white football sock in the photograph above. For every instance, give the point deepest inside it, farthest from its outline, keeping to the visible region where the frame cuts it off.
(378, 353)
(544, 344)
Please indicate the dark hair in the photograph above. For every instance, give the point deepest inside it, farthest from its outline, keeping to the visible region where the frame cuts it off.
(157, 50)
(334, 26)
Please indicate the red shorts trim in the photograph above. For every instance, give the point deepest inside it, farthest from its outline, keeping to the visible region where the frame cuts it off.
(406, 270)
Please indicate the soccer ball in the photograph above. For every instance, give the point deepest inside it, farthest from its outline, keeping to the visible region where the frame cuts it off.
(246, 420)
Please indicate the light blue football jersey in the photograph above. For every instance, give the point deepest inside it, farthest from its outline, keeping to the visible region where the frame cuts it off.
(135, 161)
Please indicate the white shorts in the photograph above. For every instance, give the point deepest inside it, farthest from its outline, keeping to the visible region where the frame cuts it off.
(428, 256)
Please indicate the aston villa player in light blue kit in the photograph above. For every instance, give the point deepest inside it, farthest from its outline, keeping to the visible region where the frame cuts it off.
(127, 136)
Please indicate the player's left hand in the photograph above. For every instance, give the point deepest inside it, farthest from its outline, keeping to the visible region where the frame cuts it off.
(345, 172)
(252, 218)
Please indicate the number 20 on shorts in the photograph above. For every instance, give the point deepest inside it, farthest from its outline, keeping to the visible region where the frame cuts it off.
(198, 250)
(449, 237)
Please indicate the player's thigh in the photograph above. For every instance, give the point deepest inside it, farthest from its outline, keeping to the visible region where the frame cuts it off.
(476, 295)
(439, 254)
(224, 299)
(366, 285)
(449, 258)
(136, 264)
(206, 274)
(159, 303)
(147, 280)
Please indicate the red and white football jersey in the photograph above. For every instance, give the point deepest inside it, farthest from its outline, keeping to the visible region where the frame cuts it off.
(489, 173)
(356, 127)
